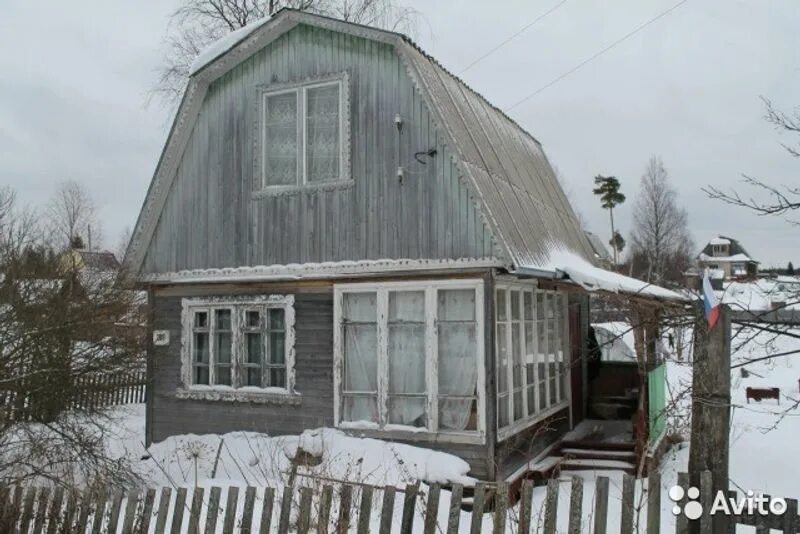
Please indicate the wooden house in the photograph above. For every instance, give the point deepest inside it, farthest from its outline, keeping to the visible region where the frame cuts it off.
(728, 257)
(341, 233)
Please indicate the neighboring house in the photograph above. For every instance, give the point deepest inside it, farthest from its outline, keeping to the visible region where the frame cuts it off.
(341, 233)
(95, 261)
(601, 254)
(727, 255)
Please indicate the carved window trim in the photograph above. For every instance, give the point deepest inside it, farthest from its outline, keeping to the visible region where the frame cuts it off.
(236, 392)
(260, 187)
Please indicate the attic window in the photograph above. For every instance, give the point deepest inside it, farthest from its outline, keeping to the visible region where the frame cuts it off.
(304, 136)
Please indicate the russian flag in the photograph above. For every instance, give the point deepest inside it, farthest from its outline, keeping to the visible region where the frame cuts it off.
(710, 302)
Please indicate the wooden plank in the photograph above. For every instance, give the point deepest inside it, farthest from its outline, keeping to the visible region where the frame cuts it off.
(387, 509)
(454, 516)
(70, 510)
(551, 507)
(230, 509)
(7, 510)
(114, 511)
(194, 511)
(732, 520)
(575, 506)
(247, 509)
(266, 509)
(304, 514)
(41, 510)
(147, 510)
(626, 518)
(212, 513)
(365, 512)
(130, 512)
(601, 505)
(286, 509)
(27, 509)
(500, 507)
(54, 517)
(345, 503)
(163, 507)
(762, 522)
(478, 497)
(706, 498)
(409, 508)
(654, 502)
(325, 501)
(432, 509)
(790, 520)
(100, 503)
(681, 522)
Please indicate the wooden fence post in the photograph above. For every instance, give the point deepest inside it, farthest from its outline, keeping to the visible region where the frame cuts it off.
(286, 509)
(147, 510)
(681, 522)
(454, 517)
(194, 511)
(432, 509)
(551, 507)
(130, 512)
(54, 515)
(575, 505)
(304, 514)
(41, 510)
(626, 520)
(230, 509)
(266, 509)
(525, 506)
(478, 496)
(345, 502)
(654, 502)
(409, 505)
(325, 501)
(601, 505)
(365, 511)
(247, 509)
(790, 520)
(500, 507)
(387, 510)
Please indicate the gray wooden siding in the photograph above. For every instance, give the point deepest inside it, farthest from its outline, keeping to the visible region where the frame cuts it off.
(314, 379)
(210, 219)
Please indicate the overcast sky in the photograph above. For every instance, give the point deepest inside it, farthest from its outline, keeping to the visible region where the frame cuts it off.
(74, 78)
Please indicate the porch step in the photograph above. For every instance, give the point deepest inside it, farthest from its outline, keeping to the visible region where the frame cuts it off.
(596, 464)
(599, 445)
(599, 454)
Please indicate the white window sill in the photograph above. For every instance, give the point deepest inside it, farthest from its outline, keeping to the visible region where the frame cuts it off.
(524, 424)
(406, 433)
(244, 395)
(280, 190)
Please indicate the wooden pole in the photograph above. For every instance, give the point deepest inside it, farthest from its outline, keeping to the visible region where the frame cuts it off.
(711, 406)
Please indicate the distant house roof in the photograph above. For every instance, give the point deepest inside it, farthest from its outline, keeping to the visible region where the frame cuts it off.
(95, 260)
(504, 168)
(736, 252)
(598, 247)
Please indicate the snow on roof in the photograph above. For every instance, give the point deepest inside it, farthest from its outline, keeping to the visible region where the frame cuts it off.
(594, 278)
(725, 259)
(720, 241)
(223, 44)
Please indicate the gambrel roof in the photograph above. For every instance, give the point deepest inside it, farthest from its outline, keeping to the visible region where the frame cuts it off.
(513, 184)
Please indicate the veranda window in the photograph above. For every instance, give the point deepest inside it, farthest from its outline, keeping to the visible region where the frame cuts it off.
(531, 343)
(409, 355)
(235, 343)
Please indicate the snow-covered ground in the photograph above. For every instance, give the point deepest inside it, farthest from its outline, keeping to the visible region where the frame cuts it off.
(762, 293)
(763, 447)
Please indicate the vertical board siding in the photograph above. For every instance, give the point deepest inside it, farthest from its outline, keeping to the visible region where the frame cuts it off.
(211, 220)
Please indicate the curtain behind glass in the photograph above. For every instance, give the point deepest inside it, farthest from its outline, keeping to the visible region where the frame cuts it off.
(322, 134)
(280, 139)
(406, 353)
(359, 314)
(458, 369)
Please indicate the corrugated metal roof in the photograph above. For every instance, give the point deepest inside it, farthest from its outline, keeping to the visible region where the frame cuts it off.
(512, 178)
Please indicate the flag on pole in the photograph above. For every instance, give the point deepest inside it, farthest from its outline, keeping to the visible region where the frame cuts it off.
(710, 302)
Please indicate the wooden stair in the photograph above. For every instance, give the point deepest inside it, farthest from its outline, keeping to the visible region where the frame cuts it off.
(598, 455)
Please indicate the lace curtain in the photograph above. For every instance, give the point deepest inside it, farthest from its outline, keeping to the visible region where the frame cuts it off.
(322, 134)
(280, 139)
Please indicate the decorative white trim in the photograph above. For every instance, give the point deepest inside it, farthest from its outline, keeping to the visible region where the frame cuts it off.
(235, 395)
(302, 271)
(430, 287)
(238, 304)
(342, 80)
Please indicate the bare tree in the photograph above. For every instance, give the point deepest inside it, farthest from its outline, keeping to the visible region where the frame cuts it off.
(122, 244)
(71, 215)
(661, 236)
(198, 23)
(765, 198)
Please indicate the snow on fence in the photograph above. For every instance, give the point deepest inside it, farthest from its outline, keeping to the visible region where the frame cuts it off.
(346, 507)
(90, 391)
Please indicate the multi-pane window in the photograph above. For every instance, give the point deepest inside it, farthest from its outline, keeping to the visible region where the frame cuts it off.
(408, 355)
(532, 358)
(239, 342)
(303, 135)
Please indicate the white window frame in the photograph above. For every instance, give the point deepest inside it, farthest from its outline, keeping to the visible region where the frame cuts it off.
(537, 413)
(430, 287)
(238, 306)
(300, 89)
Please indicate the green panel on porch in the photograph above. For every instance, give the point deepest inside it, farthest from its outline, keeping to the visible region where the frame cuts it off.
(656, 385)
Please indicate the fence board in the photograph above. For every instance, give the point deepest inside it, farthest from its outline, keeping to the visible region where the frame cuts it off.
(325, 509)
(654, 502)
(266, 509)
(575, 506)
(345, 503)
(681, 522)
(130, 512)
(500, 507)
(431, 509)
(247, 509)
(99, 512)
(626, 519)
(409, 504)
(212, 514)
(476, 524)
(304, 514)
(762, 523)
(54, 513)
(230, 509)
(69, 512)
(41, 510)
(365, 511)
(163, 507)
(387, 510)
(147, 511)
(790, 520)
(286, 502)
(601, 505)
(27, 510)
(551, 507)
(454, 517)
(113, 516)
(194, 511)
(706, 498)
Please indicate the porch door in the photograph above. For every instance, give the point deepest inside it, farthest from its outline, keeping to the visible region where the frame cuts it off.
(576, 364)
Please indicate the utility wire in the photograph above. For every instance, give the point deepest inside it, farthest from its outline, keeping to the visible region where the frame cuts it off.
(496, 48)
(597, 54)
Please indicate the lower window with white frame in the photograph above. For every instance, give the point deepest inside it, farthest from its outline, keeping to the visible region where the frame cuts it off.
(243, 344)
(532, 333)
(409, 356)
